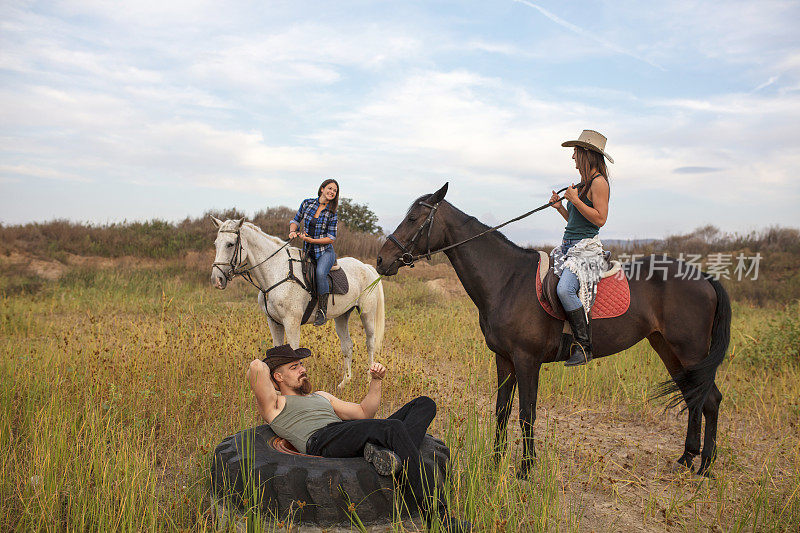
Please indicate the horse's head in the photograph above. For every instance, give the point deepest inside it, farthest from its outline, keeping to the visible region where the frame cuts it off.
(416, 235)
(229, 251)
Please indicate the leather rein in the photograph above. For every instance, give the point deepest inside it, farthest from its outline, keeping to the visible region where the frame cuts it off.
(238, 265)
(408, 259)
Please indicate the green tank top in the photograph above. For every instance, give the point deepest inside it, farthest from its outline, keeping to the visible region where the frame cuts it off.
(578, 226)
(301, 417)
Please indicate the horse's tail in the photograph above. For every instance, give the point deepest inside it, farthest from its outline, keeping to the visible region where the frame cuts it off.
(694, 384)
(380, 318)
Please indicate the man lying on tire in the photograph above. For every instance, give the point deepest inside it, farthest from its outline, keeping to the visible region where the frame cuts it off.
(319, 423)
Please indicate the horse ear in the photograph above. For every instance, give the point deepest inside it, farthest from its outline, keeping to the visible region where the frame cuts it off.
(239, 223)
(217, 222)
(438, 196)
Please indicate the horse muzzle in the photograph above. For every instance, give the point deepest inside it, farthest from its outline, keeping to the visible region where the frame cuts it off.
(218, 279)
(386, 268)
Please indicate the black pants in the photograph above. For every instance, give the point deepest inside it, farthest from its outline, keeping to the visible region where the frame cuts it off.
(402, 433)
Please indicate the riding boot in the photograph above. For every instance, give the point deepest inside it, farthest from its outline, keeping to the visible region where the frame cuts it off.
(581, 350)
(322, 309)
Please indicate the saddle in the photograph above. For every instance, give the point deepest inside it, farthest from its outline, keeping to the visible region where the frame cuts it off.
(337, 281)
(613, 292)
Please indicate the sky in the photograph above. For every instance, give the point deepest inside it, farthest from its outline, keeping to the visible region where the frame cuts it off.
(114, 111)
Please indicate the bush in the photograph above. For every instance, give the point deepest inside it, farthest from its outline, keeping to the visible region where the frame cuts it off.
(358, 217)
(158, 239)
(778, 343)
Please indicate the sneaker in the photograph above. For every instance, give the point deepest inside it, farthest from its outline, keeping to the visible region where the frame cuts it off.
(385, 461)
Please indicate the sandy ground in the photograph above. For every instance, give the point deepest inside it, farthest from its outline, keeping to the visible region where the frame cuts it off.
(53, 269)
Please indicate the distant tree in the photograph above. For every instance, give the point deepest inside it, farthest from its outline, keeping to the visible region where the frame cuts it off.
(358, 217)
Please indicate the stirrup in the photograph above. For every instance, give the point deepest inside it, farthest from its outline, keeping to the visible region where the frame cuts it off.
(584, 352)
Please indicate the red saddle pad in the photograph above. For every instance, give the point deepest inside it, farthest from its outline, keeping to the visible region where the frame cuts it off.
(613, 297)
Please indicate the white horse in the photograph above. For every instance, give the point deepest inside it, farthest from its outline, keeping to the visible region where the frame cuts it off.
(242, 247)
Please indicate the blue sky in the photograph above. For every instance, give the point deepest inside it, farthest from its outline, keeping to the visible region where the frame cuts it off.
(113, 111)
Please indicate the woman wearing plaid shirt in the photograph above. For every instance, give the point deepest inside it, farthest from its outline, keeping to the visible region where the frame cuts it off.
(317, 217)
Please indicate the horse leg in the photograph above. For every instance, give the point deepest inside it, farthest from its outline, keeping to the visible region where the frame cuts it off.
(275, 328)
(506, 385)
(347, 346)
(291, 326)
(711, 413)
(528, 380)
(368, 321)
(692, 445)
(668, 354)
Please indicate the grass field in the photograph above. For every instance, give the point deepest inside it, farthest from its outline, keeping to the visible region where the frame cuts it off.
(118, 382)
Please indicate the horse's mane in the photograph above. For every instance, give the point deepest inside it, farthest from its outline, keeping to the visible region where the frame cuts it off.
(272, 238)
(501, 237)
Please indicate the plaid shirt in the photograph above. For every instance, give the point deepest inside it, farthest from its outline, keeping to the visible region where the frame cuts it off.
(325, 225)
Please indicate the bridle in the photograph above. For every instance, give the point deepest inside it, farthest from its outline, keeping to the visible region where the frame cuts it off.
(408, 259)
(237, 264)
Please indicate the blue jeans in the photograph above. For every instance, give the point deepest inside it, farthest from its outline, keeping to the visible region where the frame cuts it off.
(324, 264)
(568, 284)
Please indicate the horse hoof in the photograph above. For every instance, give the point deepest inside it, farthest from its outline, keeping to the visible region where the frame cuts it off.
(702, 476)
(524, 470)
(705, 470)
(497, 458)
(679, 469)
(685, 462)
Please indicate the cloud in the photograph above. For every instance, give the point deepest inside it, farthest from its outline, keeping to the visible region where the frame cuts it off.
(14, 172)
(767, 83)
(303, 55)
(589, 35)
(695, 170)
(266, 101)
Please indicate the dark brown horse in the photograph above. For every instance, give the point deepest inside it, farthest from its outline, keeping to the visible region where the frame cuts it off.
(687, 321)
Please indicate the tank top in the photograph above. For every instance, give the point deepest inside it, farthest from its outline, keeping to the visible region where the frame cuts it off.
(578, 226)
(302, 416)
(312, 228)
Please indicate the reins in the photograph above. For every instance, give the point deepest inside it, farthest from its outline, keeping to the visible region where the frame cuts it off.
(408, 259)
(236, 265)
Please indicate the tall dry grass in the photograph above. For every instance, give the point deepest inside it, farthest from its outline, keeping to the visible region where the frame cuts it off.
(118, 383)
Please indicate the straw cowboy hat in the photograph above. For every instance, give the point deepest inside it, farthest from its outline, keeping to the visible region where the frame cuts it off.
(591, 140)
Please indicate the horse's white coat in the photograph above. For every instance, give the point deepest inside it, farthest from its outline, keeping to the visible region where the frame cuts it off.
(284, 305)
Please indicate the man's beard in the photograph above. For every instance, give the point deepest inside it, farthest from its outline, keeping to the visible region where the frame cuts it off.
(304, 388)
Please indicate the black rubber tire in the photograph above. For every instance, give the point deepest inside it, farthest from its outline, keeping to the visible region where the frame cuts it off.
(278, 481)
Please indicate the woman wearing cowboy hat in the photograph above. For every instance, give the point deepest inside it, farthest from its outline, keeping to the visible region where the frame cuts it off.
(579, 260)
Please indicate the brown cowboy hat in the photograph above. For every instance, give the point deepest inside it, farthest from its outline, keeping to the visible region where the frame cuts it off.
(591, 140)
(280, 355)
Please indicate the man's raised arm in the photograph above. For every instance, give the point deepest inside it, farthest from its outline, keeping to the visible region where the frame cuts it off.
(258, 375)
(368, 406)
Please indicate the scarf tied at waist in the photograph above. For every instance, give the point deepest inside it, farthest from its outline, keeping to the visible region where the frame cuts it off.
(584, 259)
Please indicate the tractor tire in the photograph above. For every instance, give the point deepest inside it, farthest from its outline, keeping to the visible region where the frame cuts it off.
(256, 469)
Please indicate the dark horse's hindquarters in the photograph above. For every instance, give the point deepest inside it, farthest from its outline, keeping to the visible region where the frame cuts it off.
(686, 321)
